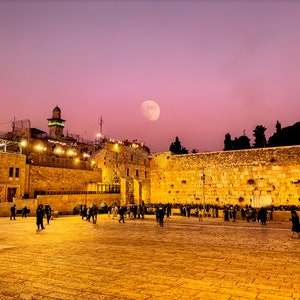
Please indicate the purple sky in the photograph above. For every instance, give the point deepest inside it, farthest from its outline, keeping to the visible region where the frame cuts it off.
(212, 66)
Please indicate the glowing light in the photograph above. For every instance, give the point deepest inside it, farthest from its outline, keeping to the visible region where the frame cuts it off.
(71, 152)
(24, 143)
(56, 124)
(116, 147)
(40, 147)
(58, 150)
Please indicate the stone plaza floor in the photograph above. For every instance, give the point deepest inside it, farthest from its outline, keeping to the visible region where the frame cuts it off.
(185, 259)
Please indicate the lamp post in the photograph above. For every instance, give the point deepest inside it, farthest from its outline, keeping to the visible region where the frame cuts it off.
(203, 192)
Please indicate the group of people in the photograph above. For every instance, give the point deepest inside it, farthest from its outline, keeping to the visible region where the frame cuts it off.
(248, 213)
(13, 212)
(89, 212)
(135, 211)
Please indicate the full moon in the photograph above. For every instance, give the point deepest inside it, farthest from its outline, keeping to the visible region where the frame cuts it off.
(150, 110)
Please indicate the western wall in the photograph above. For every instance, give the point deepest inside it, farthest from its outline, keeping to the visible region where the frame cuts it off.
(256, 177)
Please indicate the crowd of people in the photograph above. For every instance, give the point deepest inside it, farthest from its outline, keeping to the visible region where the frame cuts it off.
(134, 211)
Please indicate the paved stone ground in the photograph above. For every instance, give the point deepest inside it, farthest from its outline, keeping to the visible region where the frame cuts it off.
(185, 259)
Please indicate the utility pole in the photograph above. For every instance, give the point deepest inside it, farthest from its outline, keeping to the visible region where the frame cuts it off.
(100, 134)
(203, 191)
(101, 123)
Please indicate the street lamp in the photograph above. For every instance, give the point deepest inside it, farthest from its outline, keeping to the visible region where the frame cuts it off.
(203, 193)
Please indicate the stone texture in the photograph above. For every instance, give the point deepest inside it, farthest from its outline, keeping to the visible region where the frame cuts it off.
(257, 177)
(185, 259)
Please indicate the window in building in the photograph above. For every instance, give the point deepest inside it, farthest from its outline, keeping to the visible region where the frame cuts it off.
(137, 173)
(146, 174)
(131, 157)
(127, 172)
(11, 172)
(17, 172)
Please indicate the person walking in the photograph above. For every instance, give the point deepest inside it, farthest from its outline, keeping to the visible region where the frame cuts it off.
(48, 212)
(13, 212)
(24, 212)
(161, 215)
(295, 223)
(40, 216)
(121, 213)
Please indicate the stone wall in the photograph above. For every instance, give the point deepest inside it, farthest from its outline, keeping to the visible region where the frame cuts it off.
(127, 164)
(66, 203)
(62, 203)
(255, 177)
(60, 179)
(12, 176)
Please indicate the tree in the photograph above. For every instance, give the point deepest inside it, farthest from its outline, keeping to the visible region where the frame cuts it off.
(243, 142)
(260, 140)
(228, 143)
(176, 147)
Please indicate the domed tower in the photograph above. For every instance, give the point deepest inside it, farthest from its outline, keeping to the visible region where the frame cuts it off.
(56, 124)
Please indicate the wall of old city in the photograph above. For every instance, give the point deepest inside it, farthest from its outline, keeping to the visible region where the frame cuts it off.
(59, 179)
(12, 176)
(64, 204)
(127, 164)
(257, 177)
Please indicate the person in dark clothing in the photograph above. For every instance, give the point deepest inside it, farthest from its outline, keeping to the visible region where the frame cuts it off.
(40, 216)
(24, 212)
(234, 214)
(243, 213)
(161, 214)
(84, 212)
(13, 212)
(217, 211)
(295, 223)
(121, 213)
(226, 214)
(48, 212)
(262, 215)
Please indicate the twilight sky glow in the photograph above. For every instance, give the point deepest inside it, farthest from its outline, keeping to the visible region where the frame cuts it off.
(212, 66)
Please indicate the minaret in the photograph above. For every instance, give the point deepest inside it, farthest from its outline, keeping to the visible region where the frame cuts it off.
(56, 124)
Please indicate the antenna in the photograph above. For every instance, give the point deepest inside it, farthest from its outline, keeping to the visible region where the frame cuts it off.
(101, 123)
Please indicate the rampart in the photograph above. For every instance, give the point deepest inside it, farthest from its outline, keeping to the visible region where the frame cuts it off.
(59, 179)
(64, 204)
(257, 177)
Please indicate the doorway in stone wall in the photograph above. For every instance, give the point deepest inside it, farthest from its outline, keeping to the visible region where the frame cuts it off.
(11, 193)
